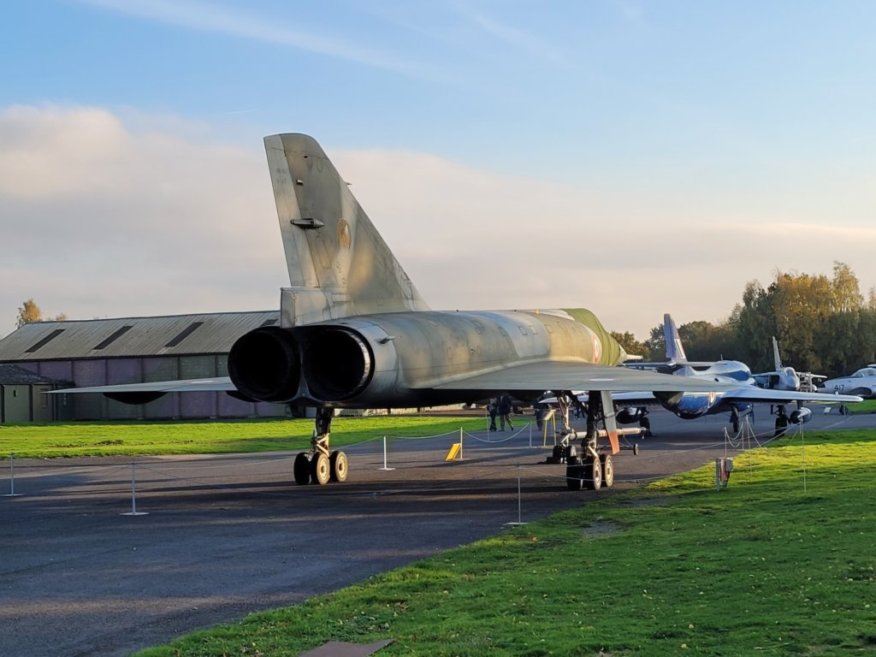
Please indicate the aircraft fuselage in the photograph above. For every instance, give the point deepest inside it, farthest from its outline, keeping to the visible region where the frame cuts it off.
(397, 359)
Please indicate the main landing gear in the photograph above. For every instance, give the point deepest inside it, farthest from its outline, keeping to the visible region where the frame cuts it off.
(781, 421)
(588, 469)
(591, 471)
(321, 465)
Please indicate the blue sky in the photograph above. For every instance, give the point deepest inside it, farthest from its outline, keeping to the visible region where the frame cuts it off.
(632, 157)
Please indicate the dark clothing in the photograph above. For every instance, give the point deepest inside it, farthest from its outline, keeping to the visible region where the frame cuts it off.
(504, 404)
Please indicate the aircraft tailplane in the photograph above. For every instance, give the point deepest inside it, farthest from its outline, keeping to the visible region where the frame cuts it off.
(339, 265)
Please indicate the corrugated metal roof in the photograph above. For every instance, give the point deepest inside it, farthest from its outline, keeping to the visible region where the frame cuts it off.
(172, 335)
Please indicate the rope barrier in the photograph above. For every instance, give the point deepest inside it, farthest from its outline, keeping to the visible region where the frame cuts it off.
(211, 468)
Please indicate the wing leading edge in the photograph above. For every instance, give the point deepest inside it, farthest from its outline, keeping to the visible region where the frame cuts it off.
(553, 375)
(217, 384)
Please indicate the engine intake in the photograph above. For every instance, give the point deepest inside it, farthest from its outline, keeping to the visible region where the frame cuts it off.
(265, 365)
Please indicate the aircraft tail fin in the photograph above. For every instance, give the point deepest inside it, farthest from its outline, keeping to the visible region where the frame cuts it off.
(339, 265)
(674, 349)
(777, 360)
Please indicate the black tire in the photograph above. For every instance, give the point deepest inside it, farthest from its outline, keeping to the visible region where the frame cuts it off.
(607, 470)
(575, 477)
(593, 471)
(781, 426)
(320, 470)
(339, 466)
(301, 469)
(636, 449)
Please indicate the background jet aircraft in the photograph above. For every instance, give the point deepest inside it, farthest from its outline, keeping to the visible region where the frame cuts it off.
(355, 333)
(737, 398)
(786, 378)
(862, 382)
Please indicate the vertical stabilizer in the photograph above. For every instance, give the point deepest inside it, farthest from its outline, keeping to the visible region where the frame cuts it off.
(338, 264)
(777, 361)
(674, 349)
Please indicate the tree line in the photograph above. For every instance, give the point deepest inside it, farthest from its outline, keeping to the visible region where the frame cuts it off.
(30, 312)
(823, 325)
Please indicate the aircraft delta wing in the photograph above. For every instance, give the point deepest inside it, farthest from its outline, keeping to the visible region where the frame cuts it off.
(354, 332)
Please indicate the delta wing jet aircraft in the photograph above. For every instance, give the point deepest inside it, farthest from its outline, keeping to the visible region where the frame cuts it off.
(740, 393)
(355, 333)
(784, 377)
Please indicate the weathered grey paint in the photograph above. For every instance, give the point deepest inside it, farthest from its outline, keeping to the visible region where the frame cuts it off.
(338, 263)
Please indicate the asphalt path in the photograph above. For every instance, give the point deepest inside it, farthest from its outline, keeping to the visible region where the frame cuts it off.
(222, 536)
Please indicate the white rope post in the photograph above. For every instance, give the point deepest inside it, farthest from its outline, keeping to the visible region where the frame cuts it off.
(519, 504)
(460, 443)
(519, 500)
(133, 511)
(12, 492)
(803, 450)
(384, 468)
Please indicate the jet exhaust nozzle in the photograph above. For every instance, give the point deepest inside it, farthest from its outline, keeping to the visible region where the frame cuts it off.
(265, 364)
(338, 364)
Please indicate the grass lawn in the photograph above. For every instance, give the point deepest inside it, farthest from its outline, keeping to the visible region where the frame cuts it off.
(113, 439)
(866, 406)
(782, 562)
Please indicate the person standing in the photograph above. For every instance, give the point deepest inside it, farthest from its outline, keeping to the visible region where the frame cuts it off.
(504, 412)
(492, 409)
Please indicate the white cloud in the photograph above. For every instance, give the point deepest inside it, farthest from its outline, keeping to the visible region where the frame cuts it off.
(98, 220)
(474, 239)
(104, 216)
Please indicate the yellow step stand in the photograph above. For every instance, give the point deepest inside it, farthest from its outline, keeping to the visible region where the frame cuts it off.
(454, 453)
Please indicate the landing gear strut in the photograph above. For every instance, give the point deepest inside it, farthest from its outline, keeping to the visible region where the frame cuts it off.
(321, 465)
(781, 421)
(591, 470)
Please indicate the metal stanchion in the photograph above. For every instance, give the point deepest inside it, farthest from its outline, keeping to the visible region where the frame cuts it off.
(384, 457)
(519, 504)
(12, 492)
(133, 511)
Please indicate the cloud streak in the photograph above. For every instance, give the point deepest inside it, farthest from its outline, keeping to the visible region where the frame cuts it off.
(219, 20)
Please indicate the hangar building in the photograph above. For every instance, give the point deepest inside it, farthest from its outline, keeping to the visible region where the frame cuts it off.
(131, 350)
(22, 397)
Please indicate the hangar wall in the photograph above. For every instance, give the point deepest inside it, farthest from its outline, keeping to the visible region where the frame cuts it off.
(80, 353)
(22, 396)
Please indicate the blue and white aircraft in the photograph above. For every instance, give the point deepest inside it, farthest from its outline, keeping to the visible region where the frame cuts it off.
(738, 400)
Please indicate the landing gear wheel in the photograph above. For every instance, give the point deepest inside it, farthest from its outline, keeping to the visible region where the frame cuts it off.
(319, 469)
(636, 449)
(339, 466)
(781, 426)
(607, 470)
(301, 469)
(575, 477)
(593, 469)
